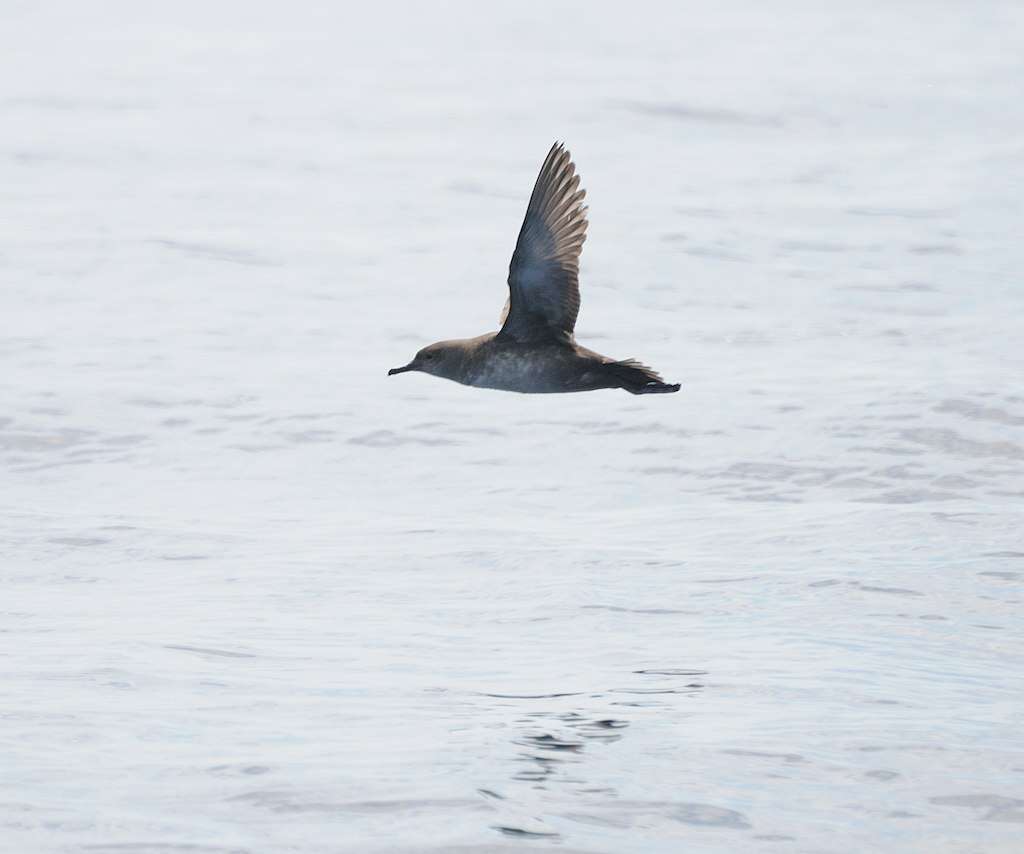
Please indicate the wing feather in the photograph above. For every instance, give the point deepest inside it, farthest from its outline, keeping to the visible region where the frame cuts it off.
(543, 277)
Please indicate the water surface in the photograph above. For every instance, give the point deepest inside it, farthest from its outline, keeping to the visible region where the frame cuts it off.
(258, 597)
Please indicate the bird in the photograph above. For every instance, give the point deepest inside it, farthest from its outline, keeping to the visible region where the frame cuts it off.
(535, 351)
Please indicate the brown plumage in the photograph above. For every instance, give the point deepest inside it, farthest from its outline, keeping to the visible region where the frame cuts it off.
(543, 276)
(535, 351)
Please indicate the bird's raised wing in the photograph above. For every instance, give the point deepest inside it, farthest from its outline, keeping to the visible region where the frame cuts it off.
(543, 278)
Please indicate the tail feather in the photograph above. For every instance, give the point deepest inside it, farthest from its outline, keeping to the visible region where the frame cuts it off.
(638, 379)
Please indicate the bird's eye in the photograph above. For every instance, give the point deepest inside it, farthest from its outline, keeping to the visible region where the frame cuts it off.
(429, 356)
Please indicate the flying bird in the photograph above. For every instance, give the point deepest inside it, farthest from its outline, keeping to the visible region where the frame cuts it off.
(535, 351)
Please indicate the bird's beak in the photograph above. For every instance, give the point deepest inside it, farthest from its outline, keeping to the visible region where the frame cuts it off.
(401, 370)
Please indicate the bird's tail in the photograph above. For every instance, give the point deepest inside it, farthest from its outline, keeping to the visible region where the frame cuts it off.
(638, 379)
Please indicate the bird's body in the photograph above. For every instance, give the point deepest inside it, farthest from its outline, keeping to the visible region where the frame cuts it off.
(533, 368)
(547, 367)
(534, 351)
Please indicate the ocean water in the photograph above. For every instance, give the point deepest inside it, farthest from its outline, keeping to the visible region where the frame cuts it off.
(259, 597)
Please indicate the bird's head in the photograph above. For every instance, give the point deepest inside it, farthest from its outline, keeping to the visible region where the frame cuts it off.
(442, 359)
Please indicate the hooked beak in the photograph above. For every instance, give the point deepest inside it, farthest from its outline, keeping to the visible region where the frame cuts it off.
(401, 370)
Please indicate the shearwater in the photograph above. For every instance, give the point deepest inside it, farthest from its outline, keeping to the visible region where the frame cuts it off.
(535, 351)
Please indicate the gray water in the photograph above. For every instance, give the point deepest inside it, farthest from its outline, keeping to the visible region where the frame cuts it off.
(259, 597)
